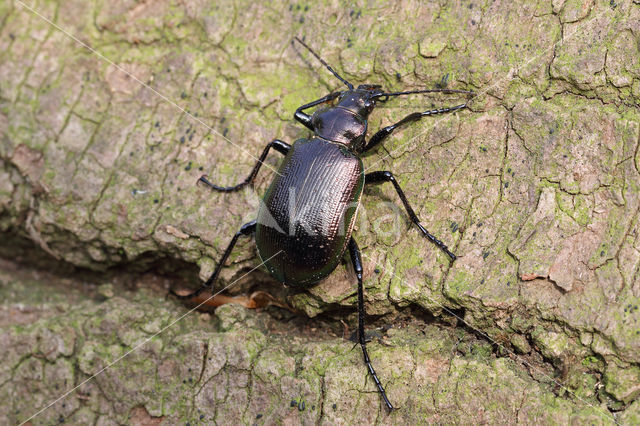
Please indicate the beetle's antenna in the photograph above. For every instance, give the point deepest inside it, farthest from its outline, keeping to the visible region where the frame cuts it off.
(349, 85)
(413, 92)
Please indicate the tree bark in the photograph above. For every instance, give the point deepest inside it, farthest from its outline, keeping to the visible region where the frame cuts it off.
(111, 111)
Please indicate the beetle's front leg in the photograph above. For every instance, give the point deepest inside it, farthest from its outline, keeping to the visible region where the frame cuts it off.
(306, 118)
(277, 144)
(384, 176)
(383, 133)
(356, 260)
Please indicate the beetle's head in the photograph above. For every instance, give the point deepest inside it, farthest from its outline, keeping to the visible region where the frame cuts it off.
(361, 100)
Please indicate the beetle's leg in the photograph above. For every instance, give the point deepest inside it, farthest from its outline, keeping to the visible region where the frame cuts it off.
(383, 176)
(305, 118)
(246, 229)
(356, 260)
(382, 134)
(277, 144)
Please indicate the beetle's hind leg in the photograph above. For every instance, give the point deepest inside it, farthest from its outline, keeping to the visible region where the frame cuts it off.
(384, 176)
(246, 229)
(356, 260)
(280, 146)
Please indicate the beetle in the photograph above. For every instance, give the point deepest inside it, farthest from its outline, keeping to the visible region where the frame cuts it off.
(306, 219)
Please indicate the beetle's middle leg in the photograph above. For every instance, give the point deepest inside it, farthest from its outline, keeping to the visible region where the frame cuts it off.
(383, 133)
(280, 146)
(384, 176)
(246, 229)
(356, 260)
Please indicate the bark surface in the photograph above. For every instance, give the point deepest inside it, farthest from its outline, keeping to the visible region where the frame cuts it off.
(535, 187)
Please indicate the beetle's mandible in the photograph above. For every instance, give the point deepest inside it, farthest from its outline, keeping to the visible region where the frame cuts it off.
(305, 222)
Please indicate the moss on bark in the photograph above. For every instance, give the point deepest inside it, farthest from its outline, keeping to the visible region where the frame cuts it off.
(535, 187)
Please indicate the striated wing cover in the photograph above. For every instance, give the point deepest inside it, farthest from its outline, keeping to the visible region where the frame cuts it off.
(309, 210)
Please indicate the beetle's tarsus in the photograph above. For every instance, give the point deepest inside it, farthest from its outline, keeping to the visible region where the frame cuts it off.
(356, 261)
(436, 241)
(451, 255)
(215, 187)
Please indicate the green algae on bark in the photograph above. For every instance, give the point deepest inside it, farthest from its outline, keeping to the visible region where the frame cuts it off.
(153, 363)
(535, 185)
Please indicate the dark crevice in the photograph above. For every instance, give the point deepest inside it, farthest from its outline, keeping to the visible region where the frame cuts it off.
(21, 250)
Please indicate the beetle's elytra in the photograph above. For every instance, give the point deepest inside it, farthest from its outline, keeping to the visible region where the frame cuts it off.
(304, 225)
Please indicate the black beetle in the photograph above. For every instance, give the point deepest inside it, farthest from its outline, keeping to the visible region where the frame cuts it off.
(305, 222)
